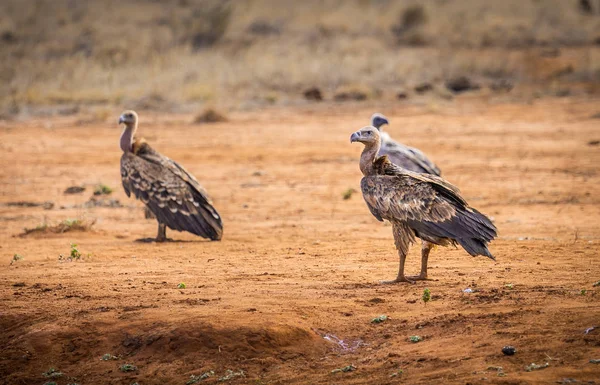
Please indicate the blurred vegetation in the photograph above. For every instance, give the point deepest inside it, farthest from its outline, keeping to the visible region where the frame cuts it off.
(161, 54)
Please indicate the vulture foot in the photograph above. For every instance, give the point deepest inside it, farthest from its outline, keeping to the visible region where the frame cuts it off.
(397, 280)
(420, 277)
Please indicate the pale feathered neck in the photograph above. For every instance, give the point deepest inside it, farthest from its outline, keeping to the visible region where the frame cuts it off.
(126, 142)
(367, 157)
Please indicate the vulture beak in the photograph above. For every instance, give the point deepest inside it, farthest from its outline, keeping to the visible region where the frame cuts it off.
(384, 121)
(355, 137)
(121, 119)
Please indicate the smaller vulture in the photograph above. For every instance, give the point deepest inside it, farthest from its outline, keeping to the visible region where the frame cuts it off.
(171, 193)
(409, 158)
(418, 205)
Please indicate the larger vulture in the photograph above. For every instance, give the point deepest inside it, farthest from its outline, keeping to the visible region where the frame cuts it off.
(418, 205)
(171, 193)
(409, 158)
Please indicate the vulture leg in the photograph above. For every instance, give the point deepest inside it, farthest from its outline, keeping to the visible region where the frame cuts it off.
(403, 237)
(425, 249)
(400, 277)
(162, 232)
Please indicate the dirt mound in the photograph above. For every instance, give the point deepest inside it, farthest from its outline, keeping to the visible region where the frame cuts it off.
(76, 350)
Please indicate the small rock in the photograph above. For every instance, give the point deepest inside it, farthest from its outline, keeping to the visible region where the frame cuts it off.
(501, 85)
(401, 95)
(509, 350)
(423, 87)
(350, 95)
(74, 190)
(314, 94)
(461, 84)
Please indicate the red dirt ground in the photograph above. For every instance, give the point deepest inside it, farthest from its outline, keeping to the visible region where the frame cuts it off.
(297, 262)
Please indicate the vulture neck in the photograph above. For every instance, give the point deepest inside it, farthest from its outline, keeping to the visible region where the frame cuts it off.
(127, 137)
(367, 158)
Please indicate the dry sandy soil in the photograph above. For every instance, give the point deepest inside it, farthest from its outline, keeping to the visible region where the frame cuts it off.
(298, 263)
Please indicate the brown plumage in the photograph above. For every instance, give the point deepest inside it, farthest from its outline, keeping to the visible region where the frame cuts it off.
(409, 158)
(172, 194)
(418, 205)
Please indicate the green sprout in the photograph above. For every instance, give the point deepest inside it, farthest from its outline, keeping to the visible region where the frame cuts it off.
(379, 319)
(15, 258)
(348, 194)
(181, 286)
(128, 368)
(75, 254)
(102, 189)
(426, 295)
(52, 373)
(196, 379)
(345, 369)
(415, 339)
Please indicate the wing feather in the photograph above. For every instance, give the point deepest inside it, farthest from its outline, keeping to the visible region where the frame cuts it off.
(171, 193)
(430, 206)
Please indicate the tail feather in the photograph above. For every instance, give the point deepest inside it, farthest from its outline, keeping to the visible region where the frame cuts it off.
(471, 229)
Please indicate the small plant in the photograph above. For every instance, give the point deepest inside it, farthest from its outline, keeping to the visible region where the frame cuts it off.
(583, 291)
(75, 254)
(426, 295)
(102, 189)
(397, 373)
(52, 373)
(230, 374)
(509, 286)
(345, 369)
(128, 368)
(379, 319)
(181, 286)
(196, 379)
(108, 357)
(533, 367)
(16, 258)
(348, 194)
(596, 284)
(415, 339)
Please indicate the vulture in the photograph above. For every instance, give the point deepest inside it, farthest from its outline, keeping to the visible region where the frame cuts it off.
(171, 193)
(418, 205)
(408, 158)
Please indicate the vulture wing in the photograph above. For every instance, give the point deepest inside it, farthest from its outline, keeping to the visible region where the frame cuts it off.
(407, 157)
(170, 192)
(430, 206)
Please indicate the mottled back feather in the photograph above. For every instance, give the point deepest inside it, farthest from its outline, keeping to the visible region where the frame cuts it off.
(172, 194)
(428, 205)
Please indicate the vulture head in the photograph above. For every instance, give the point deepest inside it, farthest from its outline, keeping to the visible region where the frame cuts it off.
(378, 120)
(129, 118)
(367, 135)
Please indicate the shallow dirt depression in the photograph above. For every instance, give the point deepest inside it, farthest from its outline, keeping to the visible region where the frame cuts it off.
(289, 294)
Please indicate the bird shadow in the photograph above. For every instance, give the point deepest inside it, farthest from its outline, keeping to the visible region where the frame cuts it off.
(168, 240)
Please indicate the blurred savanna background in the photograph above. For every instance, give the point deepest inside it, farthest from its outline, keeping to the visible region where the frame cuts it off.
(501, 95)
(62, 56)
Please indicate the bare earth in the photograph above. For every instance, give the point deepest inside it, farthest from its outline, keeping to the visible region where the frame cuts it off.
(298, 263)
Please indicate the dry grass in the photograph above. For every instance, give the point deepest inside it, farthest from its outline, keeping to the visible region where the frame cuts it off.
(167, 54)
(65, 226)
(210, 115)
